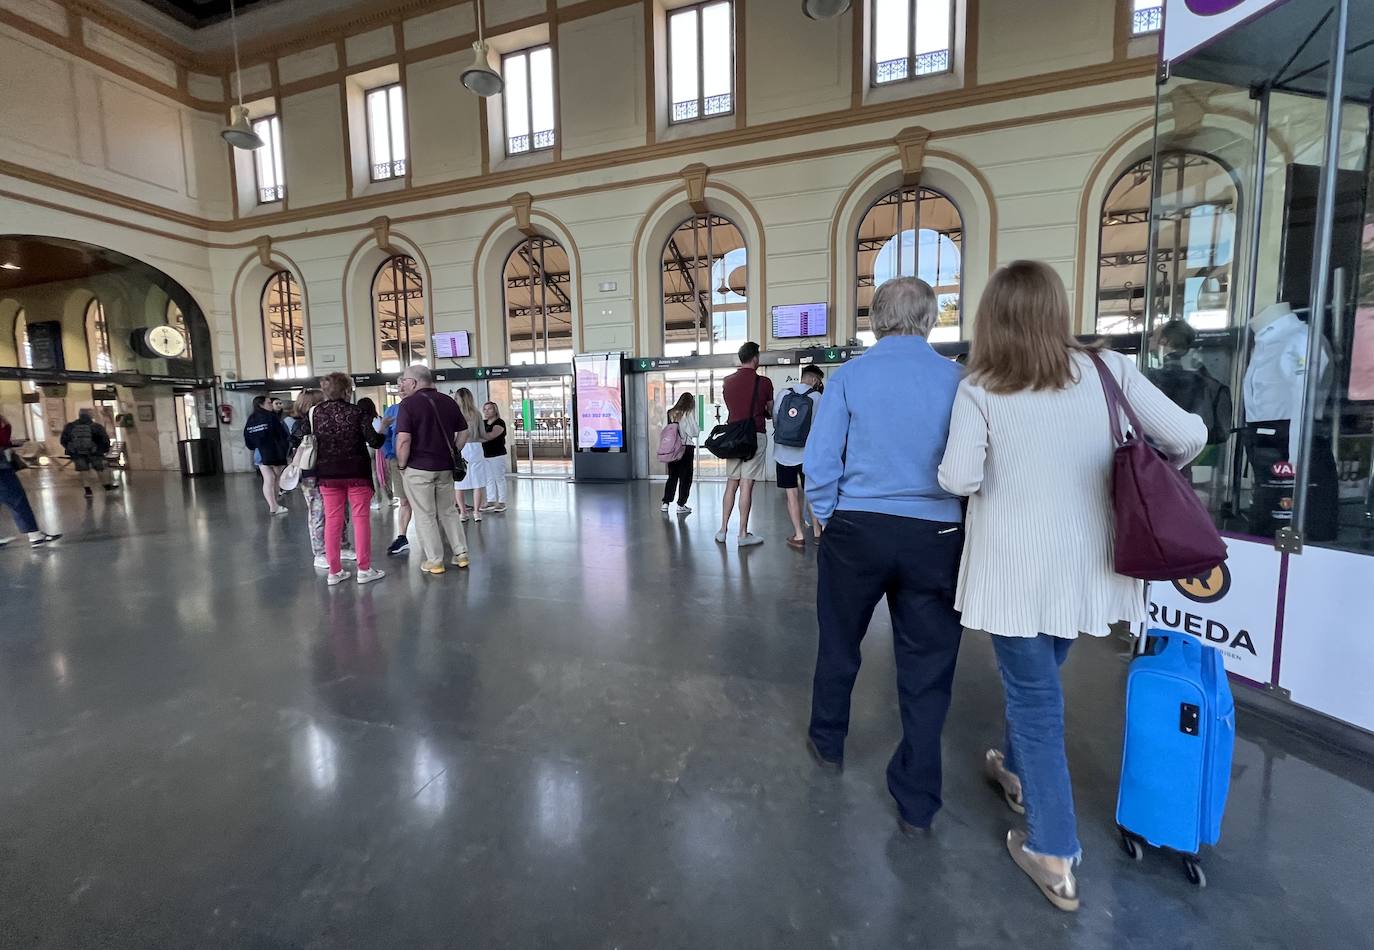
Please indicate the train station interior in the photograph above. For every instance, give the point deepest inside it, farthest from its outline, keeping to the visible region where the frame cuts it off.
(578, 212)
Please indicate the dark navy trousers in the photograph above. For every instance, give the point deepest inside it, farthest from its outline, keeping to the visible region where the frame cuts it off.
(865, 557)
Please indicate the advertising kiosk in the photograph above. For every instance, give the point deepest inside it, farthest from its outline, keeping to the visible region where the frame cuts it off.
(1262, 132)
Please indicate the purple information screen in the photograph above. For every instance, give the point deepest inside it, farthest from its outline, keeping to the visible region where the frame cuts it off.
(451, 345)
(801, 319)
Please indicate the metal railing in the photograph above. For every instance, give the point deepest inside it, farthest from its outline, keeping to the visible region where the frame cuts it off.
(719, 105)
(1147, 20)
(925, 64)
(384, 170)
(271, 193)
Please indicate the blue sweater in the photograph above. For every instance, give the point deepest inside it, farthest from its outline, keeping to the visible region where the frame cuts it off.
(880, 434)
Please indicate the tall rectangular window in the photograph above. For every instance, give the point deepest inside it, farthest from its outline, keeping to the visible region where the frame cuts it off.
(386, 132)
(1147, 16)
(528, 100)
(701, 61)
(911, 38)
(267, 160)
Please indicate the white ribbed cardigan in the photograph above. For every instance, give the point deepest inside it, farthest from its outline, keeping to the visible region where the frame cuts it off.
(1037, 468)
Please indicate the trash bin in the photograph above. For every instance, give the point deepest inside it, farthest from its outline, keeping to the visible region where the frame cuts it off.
(197, 457)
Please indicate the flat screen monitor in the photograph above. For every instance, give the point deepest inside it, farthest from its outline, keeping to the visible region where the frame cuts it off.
(600, 401)
(451, 345)
(794, 320)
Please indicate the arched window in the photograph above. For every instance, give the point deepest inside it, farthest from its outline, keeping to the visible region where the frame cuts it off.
(398, 314)
(705, 288)
(33, 415)
(538, 303)
(1195, 233)
(911, 232)
(98, 338)
(283, 322)
(177, 319)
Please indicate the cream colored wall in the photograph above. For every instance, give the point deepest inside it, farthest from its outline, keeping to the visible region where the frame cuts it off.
(602, 93)
(445, 131)
(66, 117)
(797, 67)
(1058, 34)
(313, 153)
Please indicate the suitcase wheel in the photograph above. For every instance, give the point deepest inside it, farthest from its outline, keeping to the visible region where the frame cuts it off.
(1132, 846)
(1194, 872)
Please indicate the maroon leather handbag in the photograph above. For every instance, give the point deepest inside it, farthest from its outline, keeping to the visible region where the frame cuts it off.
(1163, 531)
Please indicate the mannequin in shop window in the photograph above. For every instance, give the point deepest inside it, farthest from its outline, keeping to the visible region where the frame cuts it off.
(1275, 391)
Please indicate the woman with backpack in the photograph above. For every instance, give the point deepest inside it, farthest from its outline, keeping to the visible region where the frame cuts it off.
(677, 448)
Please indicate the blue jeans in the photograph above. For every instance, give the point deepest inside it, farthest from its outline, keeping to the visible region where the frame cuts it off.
(1035, 739)
(864, 558)
(12, 497)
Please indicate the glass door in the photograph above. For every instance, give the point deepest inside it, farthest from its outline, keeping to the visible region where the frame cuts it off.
(664, 389)
(538, 413)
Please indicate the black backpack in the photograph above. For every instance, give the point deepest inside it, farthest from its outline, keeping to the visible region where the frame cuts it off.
(793, 423)
(82, 441)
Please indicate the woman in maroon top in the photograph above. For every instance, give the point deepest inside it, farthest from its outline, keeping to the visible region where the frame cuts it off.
(343, 432)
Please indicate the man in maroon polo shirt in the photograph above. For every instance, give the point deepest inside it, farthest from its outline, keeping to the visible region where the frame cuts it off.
(746, 394)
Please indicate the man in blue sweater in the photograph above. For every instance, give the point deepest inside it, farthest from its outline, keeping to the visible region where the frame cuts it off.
(890, 531)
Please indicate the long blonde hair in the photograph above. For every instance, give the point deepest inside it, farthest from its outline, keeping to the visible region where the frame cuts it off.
(1023, 337)
(307, 400)
(468, 404)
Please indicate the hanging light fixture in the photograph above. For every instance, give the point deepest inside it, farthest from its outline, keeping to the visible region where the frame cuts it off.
(480, 77)
(239, 132)
(824, 9)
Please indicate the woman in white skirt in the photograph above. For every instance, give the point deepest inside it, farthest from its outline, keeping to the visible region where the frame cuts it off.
(476, 480)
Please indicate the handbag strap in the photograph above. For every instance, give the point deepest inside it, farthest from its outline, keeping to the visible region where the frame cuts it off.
(439, 421)
(1117, 402)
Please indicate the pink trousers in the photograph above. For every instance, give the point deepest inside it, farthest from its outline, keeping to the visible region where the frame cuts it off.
(356, 493)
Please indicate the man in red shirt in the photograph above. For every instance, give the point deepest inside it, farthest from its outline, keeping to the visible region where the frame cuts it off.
(746, 394)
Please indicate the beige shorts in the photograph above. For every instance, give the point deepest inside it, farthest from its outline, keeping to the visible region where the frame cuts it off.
(398, 482)
(751, 469)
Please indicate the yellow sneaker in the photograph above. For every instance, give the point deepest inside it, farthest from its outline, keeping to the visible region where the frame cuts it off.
(460, 560)
(432, 567)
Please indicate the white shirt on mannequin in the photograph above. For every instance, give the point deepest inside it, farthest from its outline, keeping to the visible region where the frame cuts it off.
(1276, 379)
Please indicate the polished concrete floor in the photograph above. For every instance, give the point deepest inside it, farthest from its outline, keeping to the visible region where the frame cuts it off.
(592, 739)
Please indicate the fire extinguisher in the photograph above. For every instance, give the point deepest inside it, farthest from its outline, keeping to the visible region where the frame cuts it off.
(226, 414)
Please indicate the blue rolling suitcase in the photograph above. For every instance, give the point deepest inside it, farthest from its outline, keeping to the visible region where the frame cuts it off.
(1176, 758)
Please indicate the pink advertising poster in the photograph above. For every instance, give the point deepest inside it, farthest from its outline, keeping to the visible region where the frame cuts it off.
(1362, 345)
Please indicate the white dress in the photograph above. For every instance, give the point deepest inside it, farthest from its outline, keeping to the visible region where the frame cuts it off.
(1037, 468)
(477, 476)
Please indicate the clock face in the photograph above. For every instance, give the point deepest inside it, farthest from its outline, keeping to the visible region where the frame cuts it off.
(166, 341)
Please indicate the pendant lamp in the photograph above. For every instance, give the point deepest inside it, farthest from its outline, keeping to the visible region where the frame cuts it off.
(480, 77)
(824, 9)
(239, 132)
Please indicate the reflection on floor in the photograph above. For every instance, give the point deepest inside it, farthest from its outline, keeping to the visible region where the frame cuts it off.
(590, 739)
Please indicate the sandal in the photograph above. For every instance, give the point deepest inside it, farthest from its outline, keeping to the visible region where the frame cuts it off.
(995, 768)
(1061, 891)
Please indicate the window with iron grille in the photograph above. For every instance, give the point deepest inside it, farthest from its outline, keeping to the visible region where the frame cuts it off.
(386, 132)
(283, 325)
(705, 287)
(398, 313)
(911, 38)
(267, 160)
(538, 300)
(701, 61)
(911, 232)
(1147, 16)
(528, 100)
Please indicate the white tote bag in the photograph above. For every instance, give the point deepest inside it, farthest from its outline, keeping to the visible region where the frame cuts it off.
(302, 460)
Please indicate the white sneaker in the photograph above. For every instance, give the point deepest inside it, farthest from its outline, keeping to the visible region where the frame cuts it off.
(683, 510)
(5, 541)
(281, 510)
(370, 575)
(663, 507)
(348, 554)
(376, 506)
(336, 579)
(395, 502)
(321, 563)
(720, 537)
(749, 540)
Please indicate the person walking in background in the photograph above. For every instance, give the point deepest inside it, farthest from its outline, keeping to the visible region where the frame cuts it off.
(890, 531)
(1030, 445)
(398, 487)
(380, 498)
(680, 472)
(494, 458)
(747, 395)
(12, 494)
(794, 412)
(476, 480)
(265, 434)
(430, 433)
(87, 443)
(343, 432)
(310, 485)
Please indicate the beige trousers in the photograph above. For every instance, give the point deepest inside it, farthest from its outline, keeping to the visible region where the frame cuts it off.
(432, 503)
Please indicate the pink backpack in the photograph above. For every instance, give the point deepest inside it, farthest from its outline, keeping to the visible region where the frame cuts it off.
(670, 444)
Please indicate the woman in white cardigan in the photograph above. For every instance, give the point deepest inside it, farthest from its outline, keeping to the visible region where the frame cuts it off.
(1030, 446)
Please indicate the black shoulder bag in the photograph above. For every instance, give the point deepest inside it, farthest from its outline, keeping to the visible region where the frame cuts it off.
(460, 465)
(737, 440)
